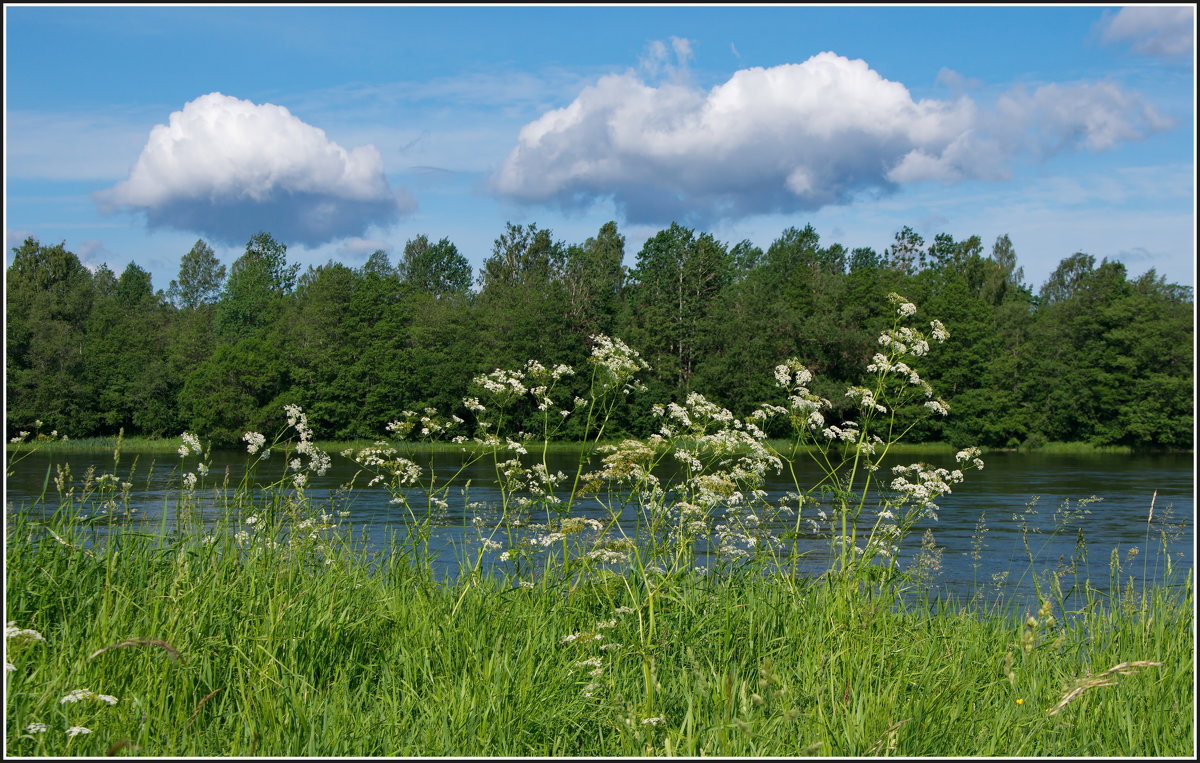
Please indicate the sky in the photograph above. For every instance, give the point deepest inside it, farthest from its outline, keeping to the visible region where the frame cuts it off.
(132, 131)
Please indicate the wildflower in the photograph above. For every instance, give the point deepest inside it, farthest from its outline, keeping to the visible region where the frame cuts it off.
(189, 481)
(20, 635)
(9, 667)
(75, 731)
(254, 441)
(938, 407)
(972, 454)
(190, 441)
(78, 695)
(36, 728)
(653, 721)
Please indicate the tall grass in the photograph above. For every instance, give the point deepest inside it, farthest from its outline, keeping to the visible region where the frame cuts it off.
(276, 632)
(215, 648)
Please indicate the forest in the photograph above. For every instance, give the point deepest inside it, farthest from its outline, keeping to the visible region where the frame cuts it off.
(1093, 356)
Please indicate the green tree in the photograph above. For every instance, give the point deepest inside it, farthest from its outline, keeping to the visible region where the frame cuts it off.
(673, 286)
(201, 275)
(49, 297)
(593, 277)
(522, 304)
(258, 281)
(435, 268)
(126, 358)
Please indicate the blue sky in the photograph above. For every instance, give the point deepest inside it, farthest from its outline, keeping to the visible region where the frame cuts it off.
(132, 131)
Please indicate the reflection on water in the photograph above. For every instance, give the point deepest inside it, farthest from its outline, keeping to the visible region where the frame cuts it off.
(979, 528)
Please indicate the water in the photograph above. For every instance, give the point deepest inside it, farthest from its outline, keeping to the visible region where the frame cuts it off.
(1125, 485)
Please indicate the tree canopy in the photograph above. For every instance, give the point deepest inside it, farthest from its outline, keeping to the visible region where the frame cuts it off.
(1093, 355)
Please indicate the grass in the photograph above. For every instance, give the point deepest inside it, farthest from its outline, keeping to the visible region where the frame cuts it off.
(314, 648)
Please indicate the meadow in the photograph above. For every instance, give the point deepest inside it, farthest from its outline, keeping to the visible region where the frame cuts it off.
(276, 632)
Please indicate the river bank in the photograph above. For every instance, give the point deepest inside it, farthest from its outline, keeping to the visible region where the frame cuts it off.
(155, 445)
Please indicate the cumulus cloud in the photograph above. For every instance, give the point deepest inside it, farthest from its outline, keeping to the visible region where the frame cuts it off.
(792, 137)
(227, 168)
(1161, 32)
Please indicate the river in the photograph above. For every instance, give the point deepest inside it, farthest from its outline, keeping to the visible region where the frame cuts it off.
(998, 495)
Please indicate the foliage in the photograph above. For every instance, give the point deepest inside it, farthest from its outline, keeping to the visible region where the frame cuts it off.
(1094, 355)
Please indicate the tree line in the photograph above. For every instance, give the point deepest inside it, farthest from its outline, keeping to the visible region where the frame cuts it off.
(1092, 356)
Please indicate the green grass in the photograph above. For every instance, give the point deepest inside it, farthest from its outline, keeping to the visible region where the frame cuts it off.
(315, 648)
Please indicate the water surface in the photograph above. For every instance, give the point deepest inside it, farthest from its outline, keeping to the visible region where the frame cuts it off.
(1013, 489)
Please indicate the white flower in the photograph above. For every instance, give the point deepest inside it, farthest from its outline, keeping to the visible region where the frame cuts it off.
(11, 631)
(653, 721)
(189, 481)
(36, 728)
(255, 442)
(190, 441)
(75, 731)
(77, 695)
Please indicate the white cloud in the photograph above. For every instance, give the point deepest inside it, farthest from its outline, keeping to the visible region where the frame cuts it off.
(1055, 118)
(226, 168)
(792, 137)
(1161, 32)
